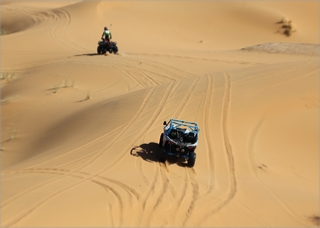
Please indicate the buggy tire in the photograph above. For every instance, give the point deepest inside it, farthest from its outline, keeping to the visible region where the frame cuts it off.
(162, 157)
(191, 159)
(161, 140)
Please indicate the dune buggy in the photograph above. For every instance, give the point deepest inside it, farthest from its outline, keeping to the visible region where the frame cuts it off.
(179, 140)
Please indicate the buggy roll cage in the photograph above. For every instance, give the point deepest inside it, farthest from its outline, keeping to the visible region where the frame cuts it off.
(175, 123)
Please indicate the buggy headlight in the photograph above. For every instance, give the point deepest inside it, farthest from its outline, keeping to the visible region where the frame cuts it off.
(182, 150)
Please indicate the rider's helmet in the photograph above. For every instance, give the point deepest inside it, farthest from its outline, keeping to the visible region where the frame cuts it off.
(105, 28)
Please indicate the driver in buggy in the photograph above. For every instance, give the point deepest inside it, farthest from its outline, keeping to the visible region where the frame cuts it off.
(186, 137)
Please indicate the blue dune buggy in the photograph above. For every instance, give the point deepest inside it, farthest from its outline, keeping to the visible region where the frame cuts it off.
(179, 140)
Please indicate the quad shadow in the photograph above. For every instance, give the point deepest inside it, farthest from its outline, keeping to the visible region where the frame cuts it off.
(87, 54)
(148, 151)
(95, 54)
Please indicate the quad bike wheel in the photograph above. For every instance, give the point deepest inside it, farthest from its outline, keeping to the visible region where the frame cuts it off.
(115, 50)
(99, 50)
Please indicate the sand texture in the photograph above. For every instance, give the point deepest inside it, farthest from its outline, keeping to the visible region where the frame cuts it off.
(80, 131)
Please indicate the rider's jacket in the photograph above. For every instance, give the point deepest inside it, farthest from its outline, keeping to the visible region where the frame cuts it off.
(106, 34)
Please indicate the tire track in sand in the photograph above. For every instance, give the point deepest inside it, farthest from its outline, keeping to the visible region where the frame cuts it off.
(166, 180)
(195, 194)
(99, 139)
(29, 171)
(227, 142)
(137, 80)
(189, 173)
(61, 37)
(108, 188)
(82, 147)
(157, 199)
(184, 205)
(66, 172)
(145, 199)
(67, 15)
(140, 71)
(186, 97)
(207, 117)
(167, 69)
(27, 212)
(194, 187)
(138, 167)
(148, 124)
(232, 190)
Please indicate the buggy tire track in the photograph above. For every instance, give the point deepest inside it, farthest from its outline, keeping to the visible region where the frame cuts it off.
(144, 75)
(187, 96)
(195, 193)
(46, 199)
(207, 117)
(142, 106)
(227, 142)
(151, 120)
(165, 68)
(232, 190)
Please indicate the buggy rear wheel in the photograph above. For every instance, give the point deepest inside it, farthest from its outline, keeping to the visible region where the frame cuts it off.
(163, 156)
(161, 140)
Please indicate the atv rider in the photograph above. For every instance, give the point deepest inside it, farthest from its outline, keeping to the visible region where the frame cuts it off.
(106, 35)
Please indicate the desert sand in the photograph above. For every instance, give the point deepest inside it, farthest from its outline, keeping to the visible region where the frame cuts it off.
(80, 131)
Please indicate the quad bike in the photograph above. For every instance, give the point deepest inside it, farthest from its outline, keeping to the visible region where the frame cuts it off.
(179, 140)
(104, 47)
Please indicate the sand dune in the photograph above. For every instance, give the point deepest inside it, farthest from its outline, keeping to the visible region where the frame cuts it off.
(80, 131)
